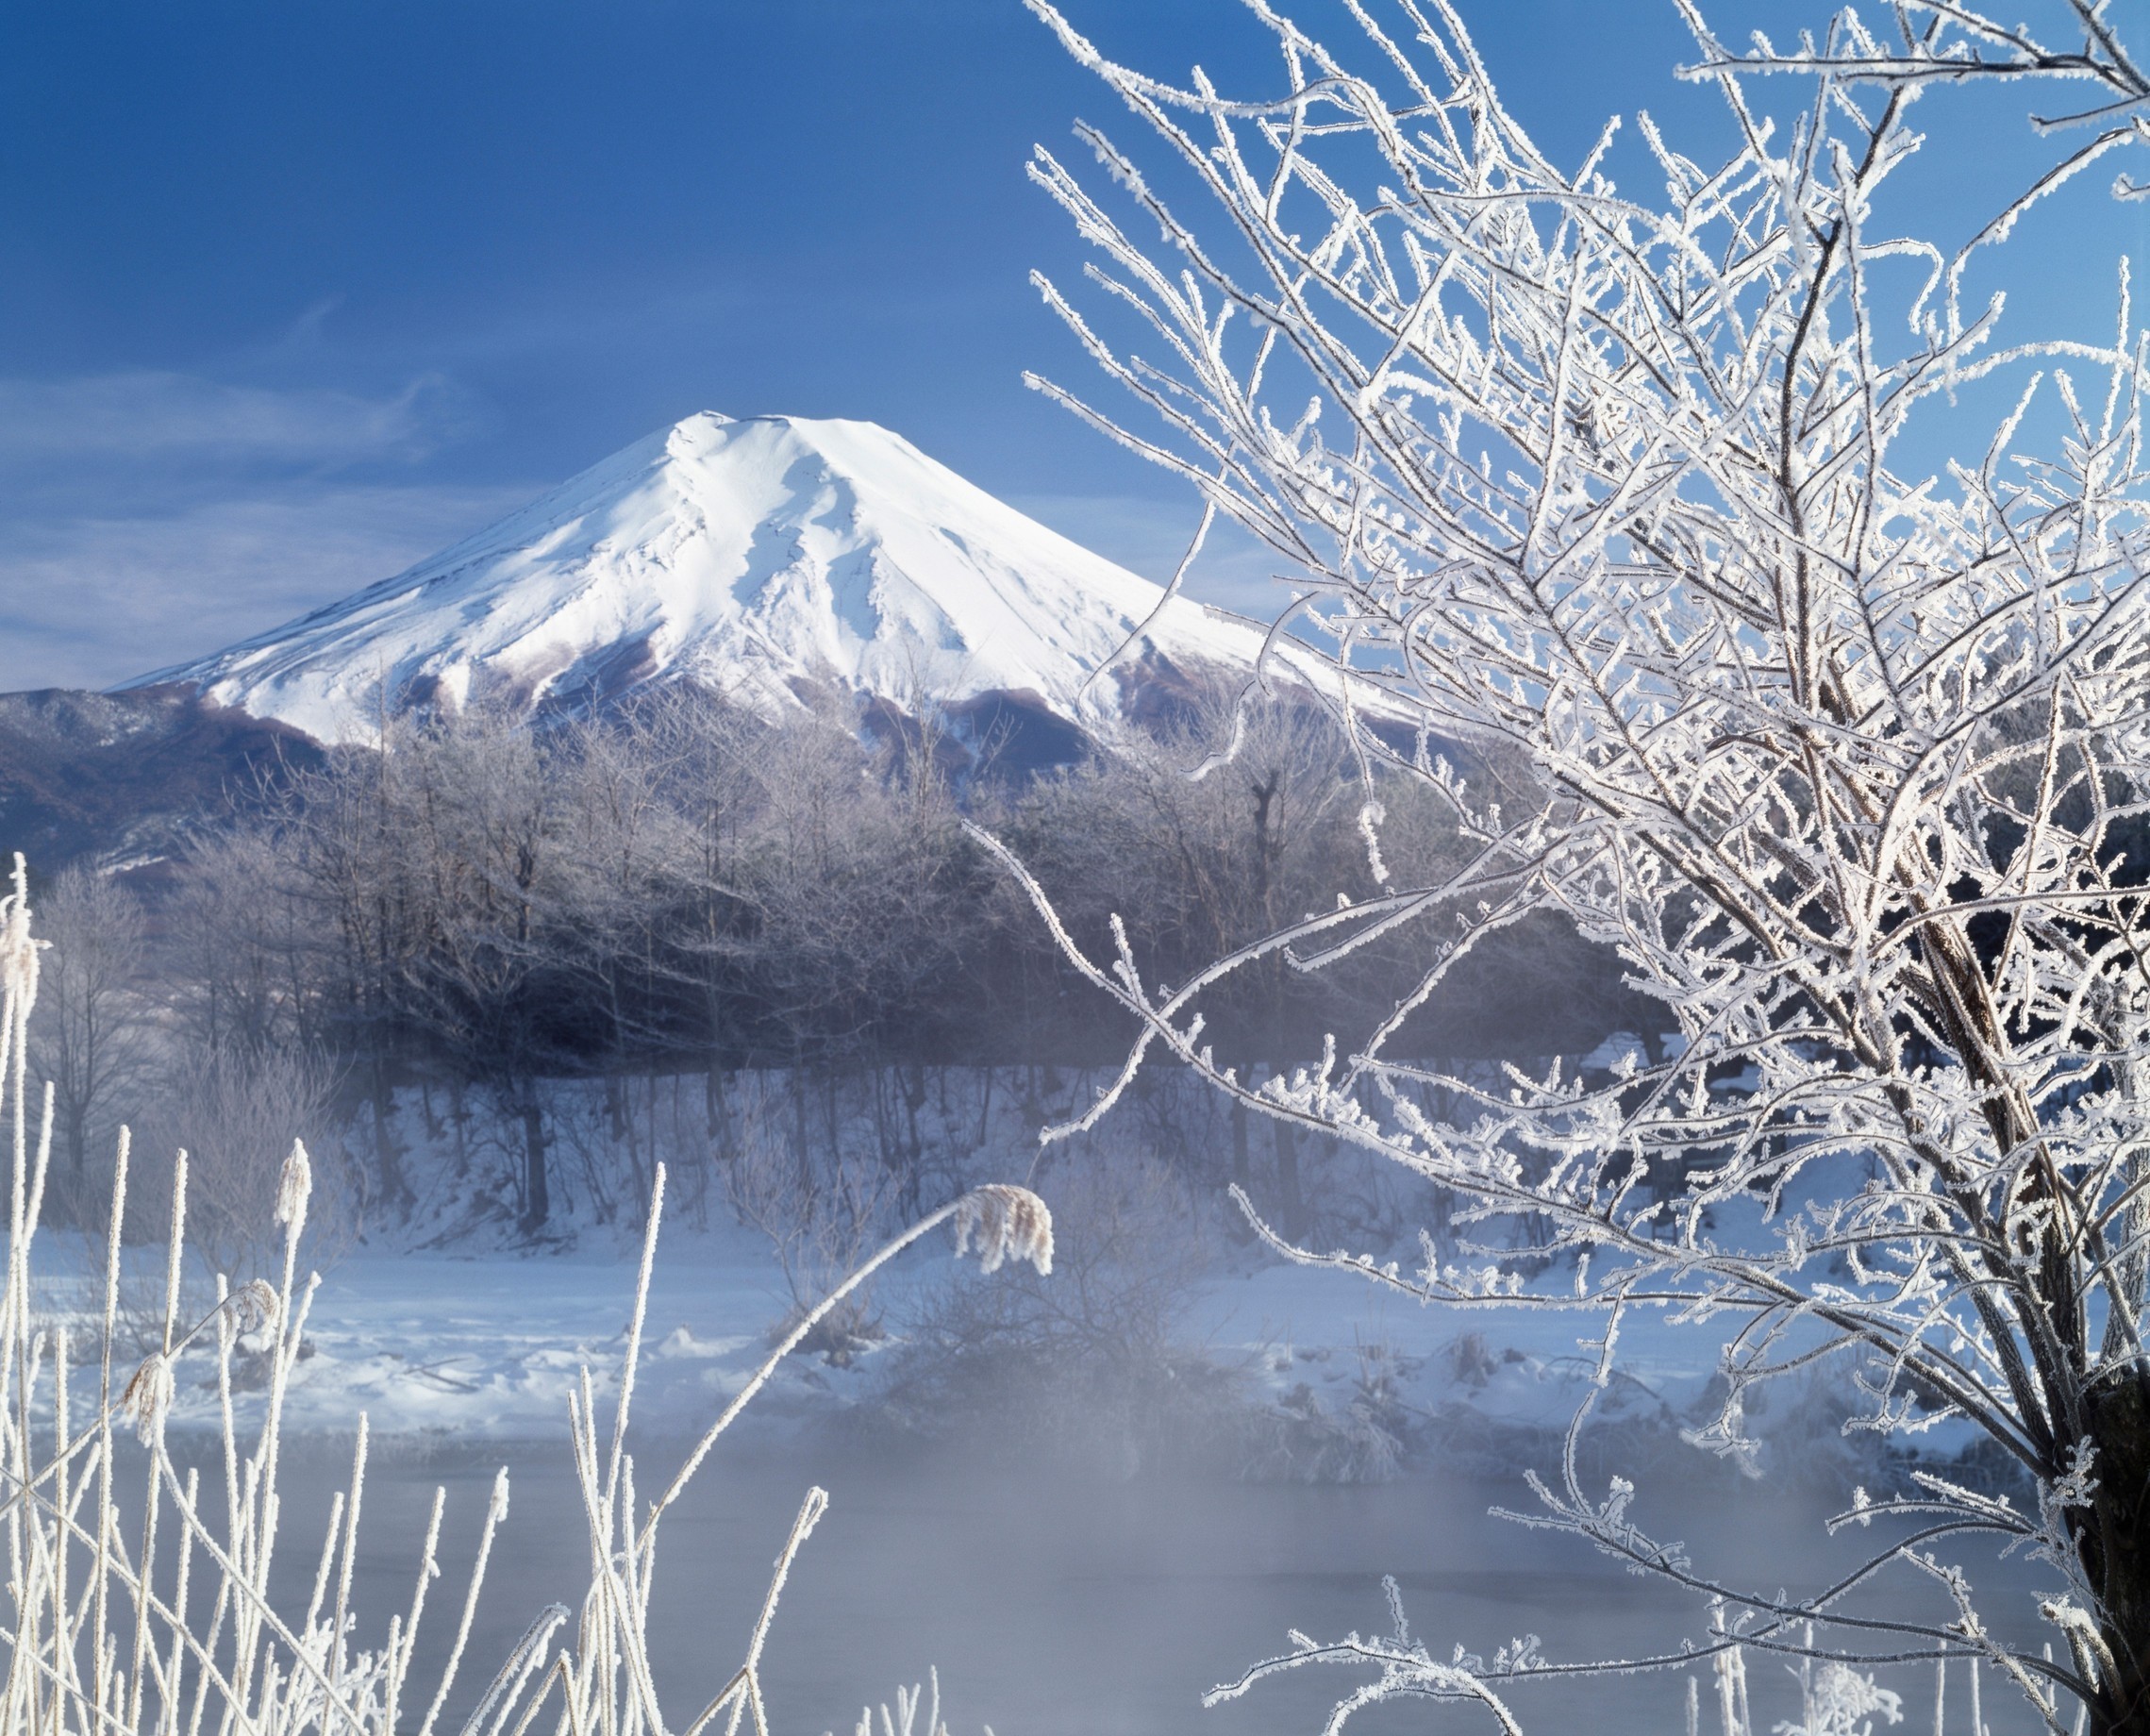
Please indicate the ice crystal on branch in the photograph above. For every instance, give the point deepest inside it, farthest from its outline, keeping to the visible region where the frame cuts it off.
(1850, 762)
(1842, 1702)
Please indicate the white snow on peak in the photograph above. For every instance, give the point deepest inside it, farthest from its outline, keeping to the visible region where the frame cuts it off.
(749, 554)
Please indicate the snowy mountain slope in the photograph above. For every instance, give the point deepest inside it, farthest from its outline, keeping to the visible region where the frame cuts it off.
(749, 554)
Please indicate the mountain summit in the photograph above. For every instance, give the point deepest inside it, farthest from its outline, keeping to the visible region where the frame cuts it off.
(752, 554)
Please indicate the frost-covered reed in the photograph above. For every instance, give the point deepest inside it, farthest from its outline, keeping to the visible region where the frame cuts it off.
(902, 1720)
(138, 1593)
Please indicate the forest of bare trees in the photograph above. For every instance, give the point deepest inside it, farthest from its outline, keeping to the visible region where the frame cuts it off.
(678, 889)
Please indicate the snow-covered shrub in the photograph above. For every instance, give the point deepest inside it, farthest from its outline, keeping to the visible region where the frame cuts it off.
(1842, 1701)
(1365, 1437)
(823, 1209)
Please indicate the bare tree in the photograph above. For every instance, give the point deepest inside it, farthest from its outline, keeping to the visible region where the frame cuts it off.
(1850, 764)
(818, 1208)
(237, 1116)
(242, 949)
(1205, 853)
(850, 872)
(479, 810)
(90, 1038)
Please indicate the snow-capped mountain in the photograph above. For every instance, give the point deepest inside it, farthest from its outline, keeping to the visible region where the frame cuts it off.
(751, 555)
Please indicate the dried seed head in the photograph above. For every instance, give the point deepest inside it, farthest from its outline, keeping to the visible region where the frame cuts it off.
(1009, 1223)
(147, 1400)
(294, 1187)
(253, 1306)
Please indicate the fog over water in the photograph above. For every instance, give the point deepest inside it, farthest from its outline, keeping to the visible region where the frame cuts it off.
(1054, 1604)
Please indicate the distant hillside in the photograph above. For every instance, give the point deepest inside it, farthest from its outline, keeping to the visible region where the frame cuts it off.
(122, 779)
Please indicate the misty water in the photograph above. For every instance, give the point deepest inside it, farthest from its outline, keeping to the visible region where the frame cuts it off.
(1055, 1604)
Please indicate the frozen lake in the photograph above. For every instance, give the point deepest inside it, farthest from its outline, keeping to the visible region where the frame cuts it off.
(1052, 1603)
(1054, 1607)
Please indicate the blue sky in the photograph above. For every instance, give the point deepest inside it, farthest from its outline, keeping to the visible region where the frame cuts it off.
(295, 292)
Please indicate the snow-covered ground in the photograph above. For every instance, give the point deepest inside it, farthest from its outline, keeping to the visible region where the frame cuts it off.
(447, 1327)
(489, 1345)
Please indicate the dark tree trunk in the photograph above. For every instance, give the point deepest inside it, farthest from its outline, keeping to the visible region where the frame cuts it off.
(388, 1157)
(1292, 1199)
(2114, 1537)
(537, 1192)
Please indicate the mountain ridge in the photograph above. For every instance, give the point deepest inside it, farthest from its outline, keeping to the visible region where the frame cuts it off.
(752, 554)
(126, 780)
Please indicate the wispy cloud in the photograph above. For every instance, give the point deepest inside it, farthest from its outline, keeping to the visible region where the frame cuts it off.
(146, 517)
(170, 421)
(95, 601)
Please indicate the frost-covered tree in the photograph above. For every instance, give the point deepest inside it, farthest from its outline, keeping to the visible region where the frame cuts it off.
(90, 1038)
(1847, 753)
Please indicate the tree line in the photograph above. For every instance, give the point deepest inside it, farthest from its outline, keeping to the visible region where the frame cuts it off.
(680, 886)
